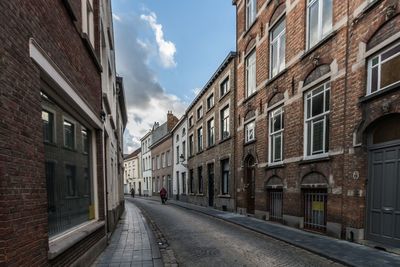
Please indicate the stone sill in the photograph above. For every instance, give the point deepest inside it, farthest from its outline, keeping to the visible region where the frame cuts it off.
(224, 196)
(60, 244)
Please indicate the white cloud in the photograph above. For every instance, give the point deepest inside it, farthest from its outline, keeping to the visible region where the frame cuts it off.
(116, 17)
(166, 49)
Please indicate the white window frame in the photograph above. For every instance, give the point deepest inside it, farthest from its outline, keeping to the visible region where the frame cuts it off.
(87, 9)
(273, 134)
(73, 122)
(251, 12)
(222, 119)
(321, 35)
(198, 139)
(278, 41)
(248, 130)
(250, 62)
(324, 115)
(379, 65)
(225, 80)
(208, 132)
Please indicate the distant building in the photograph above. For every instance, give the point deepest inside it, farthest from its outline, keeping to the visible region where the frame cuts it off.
(146, 142)
(161, 153)
(133, 173)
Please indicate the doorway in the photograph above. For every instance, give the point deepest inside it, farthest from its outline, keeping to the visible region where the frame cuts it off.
(210, 171)
(250, 184)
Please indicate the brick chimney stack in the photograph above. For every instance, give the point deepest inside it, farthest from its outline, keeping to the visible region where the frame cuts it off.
(171, 120)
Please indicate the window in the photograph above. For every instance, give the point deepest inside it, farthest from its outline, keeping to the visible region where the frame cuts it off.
(277, 48)
(87, 19)
(225, 176)
(184, 149)
(158, 162)
(225, 123)
(190, 121)
(210, 132)
(319, 20)
(210, 101)
(200, 112)
(251, 73)
(163, 160)
(276, 125)
(177, 138)
(224, 87)
(70, 172)
(183, 183)
(69, 134)
(168, 158)
(85, 140)
(48, 126)
(154, 164)
(383, 69)
(191, 144)
(200, 175)
(317, 120)
(177, 155)
(251, 9)
(191, 180)
(183, 132)
(200, 139)
(250, 131)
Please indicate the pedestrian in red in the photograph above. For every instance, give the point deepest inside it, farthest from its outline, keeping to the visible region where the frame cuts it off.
(163, 195)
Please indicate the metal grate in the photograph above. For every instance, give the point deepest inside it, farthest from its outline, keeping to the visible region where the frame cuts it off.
(315, 209)
(275, 204)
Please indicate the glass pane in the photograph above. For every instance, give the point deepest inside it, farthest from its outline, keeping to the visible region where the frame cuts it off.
(327, 134)
(318, 136)
(308, 108)
(309, 138)
(391, 52)
(390, 72)
(282, 48)
(374, 79)
(317, 104)
(277, 146)
(274, 58)
(277, 123)
(326, 16)
(375, 61)
(313, 24)
(278, 29)
(327, 100)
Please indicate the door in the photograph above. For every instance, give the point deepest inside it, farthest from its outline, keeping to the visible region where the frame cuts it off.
(170, 193)
(140, 189)
(211, 185)
(383, 214)
(177, 186)
(250, 184)
(275, 204)
(315, 204)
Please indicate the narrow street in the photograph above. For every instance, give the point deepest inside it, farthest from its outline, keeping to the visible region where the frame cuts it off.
(200, 240)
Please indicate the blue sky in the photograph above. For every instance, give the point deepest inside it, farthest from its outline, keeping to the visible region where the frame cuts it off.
(165, 50)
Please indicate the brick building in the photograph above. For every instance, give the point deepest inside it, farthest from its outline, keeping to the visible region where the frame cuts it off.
(51, 165)
(210, 140)
(162, 153)
(318, 115)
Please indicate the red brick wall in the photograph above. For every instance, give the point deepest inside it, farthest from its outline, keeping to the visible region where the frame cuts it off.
(23, 200)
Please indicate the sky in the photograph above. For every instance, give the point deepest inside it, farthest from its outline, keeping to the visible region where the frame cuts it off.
(166, 51)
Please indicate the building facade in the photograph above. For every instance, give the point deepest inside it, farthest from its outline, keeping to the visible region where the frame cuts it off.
(161, 152)
(179, 162)
(315, 99)
(146, 142)
(53, 126)
(132, 173)
(211, 135)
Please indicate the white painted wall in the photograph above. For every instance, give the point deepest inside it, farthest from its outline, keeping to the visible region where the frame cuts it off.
(146, 164)
(179, 137)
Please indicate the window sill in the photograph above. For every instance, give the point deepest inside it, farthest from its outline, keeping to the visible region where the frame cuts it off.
(198, 153)
(250, 27)
(379, 93)
(250, 97)
(223, 97)
(69, 149)
(224, 196)
(211, 108)
(276, 165)
(191, 194)
(314, 159)
(318, 45)
(224, 140)
(60, 244)
(250, 142)
(276, 77)
(200, 195)
(47, 143)
(210, 146)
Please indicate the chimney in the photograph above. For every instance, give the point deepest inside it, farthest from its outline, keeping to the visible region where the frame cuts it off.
(171, 120)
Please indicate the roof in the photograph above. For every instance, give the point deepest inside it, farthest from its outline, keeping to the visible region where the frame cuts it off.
(133, 154)
(220, 69)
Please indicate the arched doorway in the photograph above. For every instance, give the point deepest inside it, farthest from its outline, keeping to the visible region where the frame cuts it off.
(383, 192)
(250, 184)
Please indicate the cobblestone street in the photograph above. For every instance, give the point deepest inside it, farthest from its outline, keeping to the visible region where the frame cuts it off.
(200, 240)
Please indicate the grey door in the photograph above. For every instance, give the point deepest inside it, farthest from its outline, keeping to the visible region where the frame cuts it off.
(383, 214)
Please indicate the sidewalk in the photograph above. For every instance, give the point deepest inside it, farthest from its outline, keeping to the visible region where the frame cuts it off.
(132, 243)
(342, 251)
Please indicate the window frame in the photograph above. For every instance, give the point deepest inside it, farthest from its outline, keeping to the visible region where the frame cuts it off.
(250, 13)
(246, 131)
(200, 139)
(191, 144)
(324, 115)
(210, 97)
(279, 111)
(198, 111)
(224, 82)
(209, 144)
(277, 40)
(247, 68)
(222, 123)
(73, 123)
(320, 33)
(53, 126)
(223, 172)
(378, 55)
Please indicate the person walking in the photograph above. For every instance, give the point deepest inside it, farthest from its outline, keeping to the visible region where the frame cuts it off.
(163, 195)
(133, 192)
